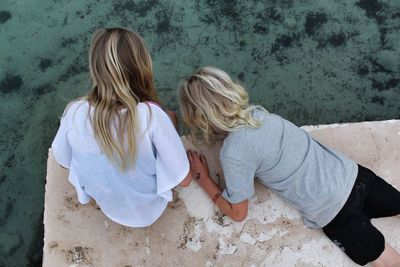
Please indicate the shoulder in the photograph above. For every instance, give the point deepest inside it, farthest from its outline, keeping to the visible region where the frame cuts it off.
(149, 106)
(244, 141)
(266, 117)
(234, 145)
(152, 110)
(74, 107)
(154, 115)
(235, 155)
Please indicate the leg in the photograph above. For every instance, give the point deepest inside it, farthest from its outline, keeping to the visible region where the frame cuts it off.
(383, 200)
(388, 258)
(352, 230)
(357, 237)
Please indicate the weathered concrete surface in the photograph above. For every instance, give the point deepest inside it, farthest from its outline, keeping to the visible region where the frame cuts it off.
(191, 232)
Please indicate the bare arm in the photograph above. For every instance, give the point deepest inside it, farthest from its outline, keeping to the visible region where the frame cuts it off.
(188, 179)
(172, 116)
(199, 168)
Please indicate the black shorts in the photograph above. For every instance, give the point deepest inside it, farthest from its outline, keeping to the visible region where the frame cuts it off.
(351, 229)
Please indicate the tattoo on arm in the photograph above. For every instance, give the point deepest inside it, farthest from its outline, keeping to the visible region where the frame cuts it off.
(197, 176)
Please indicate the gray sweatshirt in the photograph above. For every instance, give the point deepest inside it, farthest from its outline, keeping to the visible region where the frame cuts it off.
(312, 177)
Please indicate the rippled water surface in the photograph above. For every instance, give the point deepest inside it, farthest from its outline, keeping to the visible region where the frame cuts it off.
(310, 61)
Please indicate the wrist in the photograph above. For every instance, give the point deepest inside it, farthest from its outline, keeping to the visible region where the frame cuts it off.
(216, 197)
(198, 176)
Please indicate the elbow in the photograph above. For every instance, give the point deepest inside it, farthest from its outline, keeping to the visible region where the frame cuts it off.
(239, 211)
(186, 182)
(239, 217)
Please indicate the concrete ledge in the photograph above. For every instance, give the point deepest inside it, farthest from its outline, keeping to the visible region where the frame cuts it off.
(191, 232)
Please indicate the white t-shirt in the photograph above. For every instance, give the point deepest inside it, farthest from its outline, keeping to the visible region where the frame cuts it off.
(137, 196)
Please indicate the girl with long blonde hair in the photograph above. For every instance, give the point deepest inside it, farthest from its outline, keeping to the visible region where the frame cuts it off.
(120, 147)
(330, 190)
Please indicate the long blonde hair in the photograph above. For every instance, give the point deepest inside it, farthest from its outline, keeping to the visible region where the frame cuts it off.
(121, 75)
(213, 105)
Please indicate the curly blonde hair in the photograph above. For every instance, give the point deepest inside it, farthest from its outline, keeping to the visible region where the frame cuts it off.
(213, 105)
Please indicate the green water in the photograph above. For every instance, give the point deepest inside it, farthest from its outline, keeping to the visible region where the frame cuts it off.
(310, 61)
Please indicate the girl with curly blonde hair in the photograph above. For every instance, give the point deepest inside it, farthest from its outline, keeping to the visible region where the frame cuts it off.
(330, 190)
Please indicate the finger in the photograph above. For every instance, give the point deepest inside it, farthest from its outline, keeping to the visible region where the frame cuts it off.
(195, 155)
(206, 162)
(203, 159)
(190, 156)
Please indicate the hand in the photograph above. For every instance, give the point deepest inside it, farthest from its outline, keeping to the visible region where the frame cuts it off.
(198, 165)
